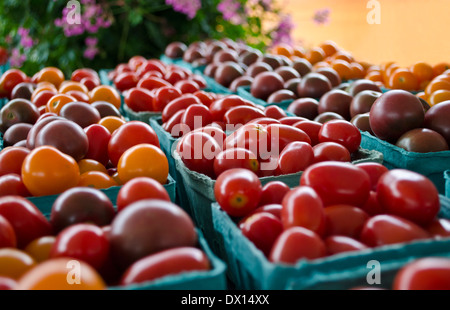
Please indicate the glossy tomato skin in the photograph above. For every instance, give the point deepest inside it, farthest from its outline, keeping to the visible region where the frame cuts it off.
(311, 128)
(375, 171)
(274, 209)
(439, 228)
(163, 96)
(196, 116)
(241, 115)
(180, 103)
(8, 237)
(214, 131)
(81, 205)
(429, 273)
(330, 151)
(139, 99)
(238, 191)
(252, 137)
(342, 132)
(164, 263)
(11, 159)
(174, 126)
(86, 242)
(14, 263)
(25, 218)
(295, 157)
(410, 195)
(206, 98)
(152, 82)
(275, 112)
(98, 138)
(235, 158)
(273, 192)
(9, 79)
(341, 244)
(303, 207)
(281, 135)
(351, 187)
(297, 243)
(138, 189)
(344, 220)
(126, 80)
(128, 135)
(262, 229)
(220, 106)
(390, 229)
(12, 184)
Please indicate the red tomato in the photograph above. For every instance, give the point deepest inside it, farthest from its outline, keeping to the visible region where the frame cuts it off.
(82, 73)
(180, 103)
(9, 79)
(136, 62)
(167, 262)
(344, 220)
(152, 82)
(295, 157)
(291, 120)
(264, 121)
(7, 235)
(372, 206)
(11, 159)
(12, 184)
(130, 134)
(152, 65)
(235, 158)
(262, 229)
(126, 80)
(338, 183)
(342, 132)
(273, 193)
(217, 133)
(439, 228)
(219, 107)
(139, 99)
(90, 83)
(390, 229)
(78, 95)
(242, 115)
(375, 171)
(98, 137)
(174, 76)
(28, 222)
(196, 116)
(252, 137)
(311, 128)
(429, 273)
(408, 194)
(205, 97)
(281, 135)
(140, 188)
(201, 82)
(303, 207)
(297, 243)
(330, 151)
(274, 111)
(174, 126)
(163, 96)
(274, 209)
(238, 191)
(187, 86)
(86, 242)
(43, 97)
(197, 151)
(341, 244)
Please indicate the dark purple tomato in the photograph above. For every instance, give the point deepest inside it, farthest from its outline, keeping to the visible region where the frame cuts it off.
(363, 101)
(304, 107)
(16, 133)
(437, 118)
(422, 140)
(313, 85)
(265, 84)
(81, 113)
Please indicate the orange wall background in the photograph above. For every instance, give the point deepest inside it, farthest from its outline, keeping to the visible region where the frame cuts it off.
(410, 30)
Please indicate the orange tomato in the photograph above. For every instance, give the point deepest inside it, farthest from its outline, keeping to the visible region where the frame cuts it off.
(440, 68)
(374, 76)
(143, 160)
(116, 178)
(299, 51)
(283, 49)
(343, 68)
(96, 179)
(422, 95)
(52, 75)
(61, 274)
(315, 55)
(439, 96)
(403, 79)
(86, 165)
(106, 93)
(40, 248)
(437, 84)
(388, 72)
(357, 70)
(343, 55)
(320, 64)
(423, 71)
(111, 123)
(48, 171)
(71, 85)
(56, 102)
(14, 262)
(329, 47)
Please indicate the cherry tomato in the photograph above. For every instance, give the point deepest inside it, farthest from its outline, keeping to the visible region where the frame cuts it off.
(196, 116)
(217, 133)
(9, 79)
(219, 107)
(55, 103)
(344, 220)
(372, 205)
(342, 132)
(152, 82)
(292, 120)
(341, 244)
(205, 97)
(98, 137)
(126, 80)
(235, 158)
(11, 184)
(390, 229)
(27, 221)
(281, 135)
(408, 194)
(96, 179)
(264, 121)
(48, 171)
(187, 86)
(43, 97)
(139, 99)
(311, 128)
(54, 273)
(136, 62)
(78, 95)
(238, 191)
(14, 263)
(11, 159)
(40, 248)
(138, 189)
(163, 96)
(252, 137)
(90, 82)
(199, 80)
(128, 135)
(180, 103)
(168, 262)
(241, 115)
(439, 228)
(262, 229)
(82, 73)
(375, 171)
(152, 65)
(7, 235)
(338, 183)
(174, 126)
(295, 157)
(273, 193)
(143, 160)
(429, 273)
(274, 209)
(174, 76)
(303, 207)
(330, 151)
(297, 243)
(274, 111)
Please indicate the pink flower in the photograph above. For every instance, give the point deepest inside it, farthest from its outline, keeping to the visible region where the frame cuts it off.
(187, 7)
(230, 11)
(91, 41)
(90, 52)
(283, 32)
(322, 16)
(17, 59)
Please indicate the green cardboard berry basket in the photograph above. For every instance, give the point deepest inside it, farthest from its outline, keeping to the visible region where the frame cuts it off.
(199, 189)
(447, 183)
(249, 269)
(214, 279)
(139, 116)
(104, 79)
(215, 87)
(244, 92)
(432, 165)
(45, 203)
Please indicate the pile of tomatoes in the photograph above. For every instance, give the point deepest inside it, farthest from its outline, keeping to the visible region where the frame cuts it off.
(88, 244)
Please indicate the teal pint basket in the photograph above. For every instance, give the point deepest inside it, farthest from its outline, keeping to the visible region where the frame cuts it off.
(139, 116)
(215, 87)
(104, 79)
(249, 269)
(432, 165)
(447, 183)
